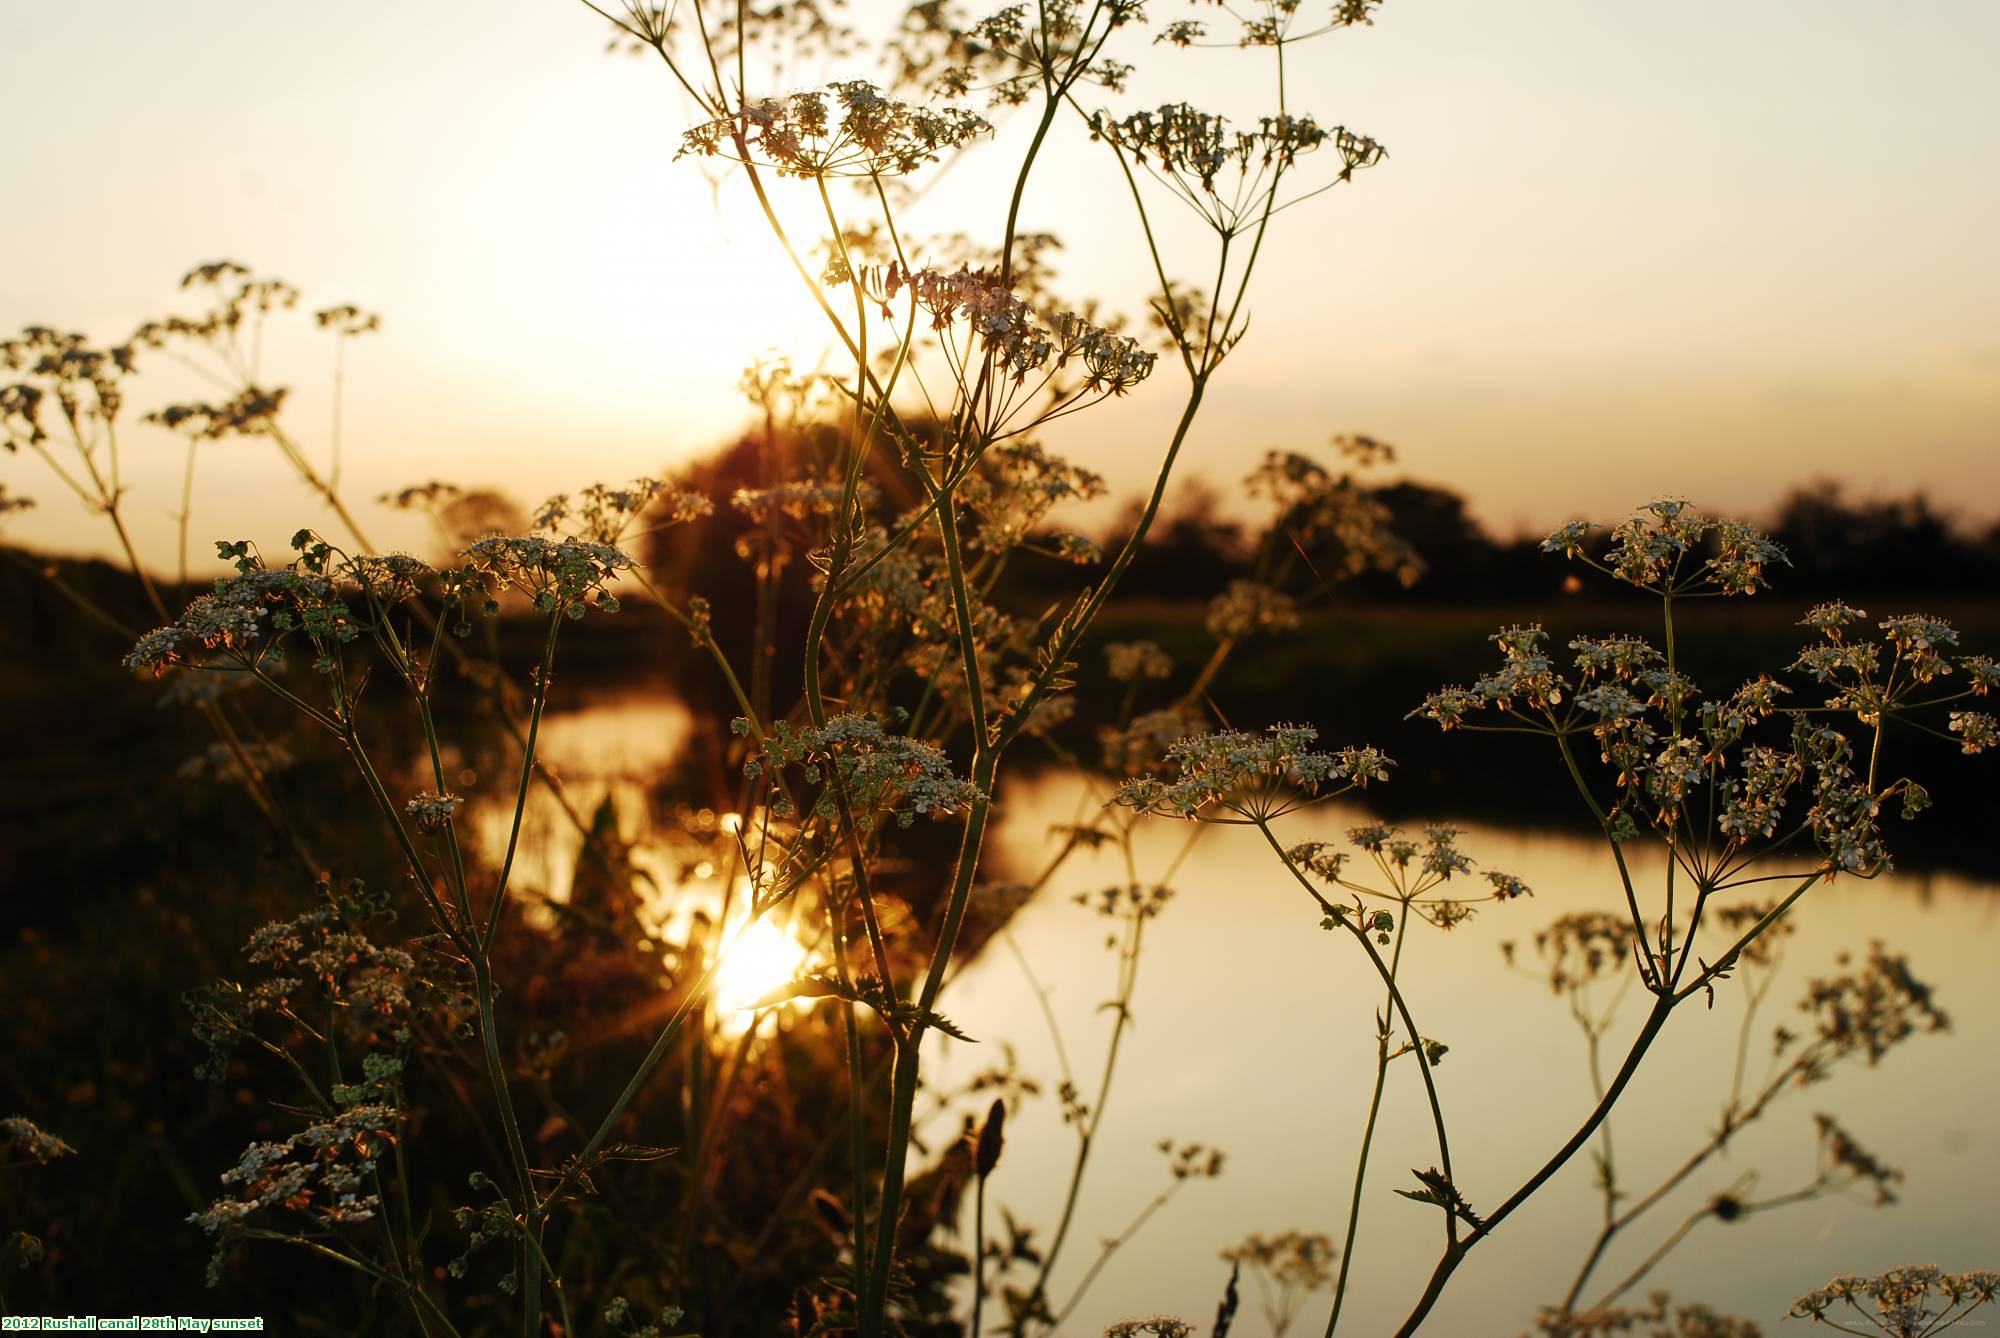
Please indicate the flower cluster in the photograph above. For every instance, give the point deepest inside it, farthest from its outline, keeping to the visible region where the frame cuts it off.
(1191, 1161)
(1348, 529)
(1869, 1010)
(1142, 745)
(243, 615)
(1130, 661)
(877, 772)
(223, 762)
(1848, 1158)
(1414, 870)
(368, 985)
(239, 297)
(1008, 328)
(1014, 487)
(1017, 50)
(1290, 1265)
(347, 320)
(1862, 679)
(1658, 1318)
(1661, 747)
(559, 575)
(1250, 774)
(1111, 362)
(1249, 607)
(849, 129)
(385, 578)
(1580, 946)
(82, 380)
(433, 812)
(1192, 150)
(601, 514)
(324, 1173)
(1908, 1302)
(1137, 900)
(1671, 549)
(801, 499)
(252, 411)
(1526, 680)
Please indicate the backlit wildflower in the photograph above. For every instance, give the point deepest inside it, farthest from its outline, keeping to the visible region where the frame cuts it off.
(601, 514)
(1247, 608)
(243, 613)
(1871, 1008)
(433, 812)
(877, 772)
(324, 1173)
(1251, 775)
(1293, 1265)
(66, 382)
(1142, 745)
(1908, 1302)
(1014, 487)
(1672, 549)
(801, 499)
(1227, 175)
(1976, 731)
(1981, 672)
(1581, 946)
(1568, 540)
(1849, 1158)
(849, 129)
(558, 575)
(1129, 661)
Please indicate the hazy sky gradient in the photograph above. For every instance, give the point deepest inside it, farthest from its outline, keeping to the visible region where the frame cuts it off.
(1618, 249)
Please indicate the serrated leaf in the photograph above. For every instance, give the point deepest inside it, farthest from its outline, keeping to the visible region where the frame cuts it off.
(947, 1026)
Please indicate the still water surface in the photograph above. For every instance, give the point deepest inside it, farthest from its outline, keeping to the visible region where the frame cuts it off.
(1253, 1031)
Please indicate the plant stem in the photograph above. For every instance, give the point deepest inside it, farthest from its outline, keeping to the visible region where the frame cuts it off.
(1448, 1263)
(1367, 1136)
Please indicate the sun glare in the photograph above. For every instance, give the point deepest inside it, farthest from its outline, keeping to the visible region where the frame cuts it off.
(758, 962)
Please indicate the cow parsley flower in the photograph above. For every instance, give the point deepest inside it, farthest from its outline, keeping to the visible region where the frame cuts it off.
(1908, 1302)
(433, 812)
(1227, 175)
(1672, 549)
(1249, 607)
(1976, 729)
(1130, 661)
(849, 129)
(1254, 776)
(880, 773)
(323, 1173)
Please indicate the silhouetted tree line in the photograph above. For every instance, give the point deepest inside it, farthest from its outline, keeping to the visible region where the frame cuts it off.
(1838, 546)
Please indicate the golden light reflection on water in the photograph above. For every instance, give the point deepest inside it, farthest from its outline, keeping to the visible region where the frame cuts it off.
(611, 749)
(614, 750)
(1254, 1031)
(760, 959)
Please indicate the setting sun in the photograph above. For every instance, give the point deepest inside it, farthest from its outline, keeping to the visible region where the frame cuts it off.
(758, 960)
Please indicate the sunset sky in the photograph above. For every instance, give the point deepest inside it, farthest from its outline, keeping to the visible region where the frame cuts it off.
(1617, 250)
